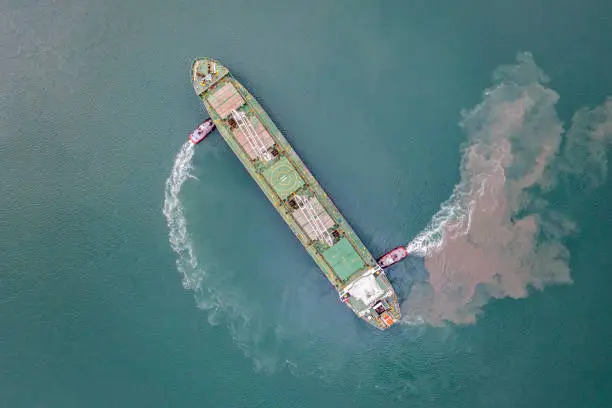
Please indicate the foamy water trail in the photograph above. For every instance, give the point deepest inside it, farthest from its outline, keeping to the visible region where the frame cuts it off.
(223, 302)
(454, 216)
(178, 235)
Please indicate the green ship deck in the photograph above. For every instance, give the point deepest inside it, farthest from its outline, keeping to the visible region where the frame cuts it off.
(295, 193)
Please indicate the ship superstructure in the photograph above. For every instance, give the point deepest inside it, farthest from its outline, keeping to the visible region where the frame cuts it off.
(295, 193)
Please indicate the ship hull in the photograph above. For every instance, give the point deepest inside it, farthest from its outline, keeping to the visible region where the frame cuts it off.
(295, 193)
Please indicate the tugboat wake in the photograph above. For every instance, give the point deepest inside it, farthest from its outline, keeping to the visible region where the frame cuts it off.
(496, 236)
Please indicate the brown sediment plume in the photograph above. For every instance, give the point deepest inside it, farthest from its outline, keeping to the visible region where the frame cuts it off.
(497, 235)
(586, 144)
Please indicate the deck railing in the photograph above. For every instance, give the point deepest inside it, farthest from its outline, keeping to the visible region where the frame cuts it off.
(314, 220)
(247, 129)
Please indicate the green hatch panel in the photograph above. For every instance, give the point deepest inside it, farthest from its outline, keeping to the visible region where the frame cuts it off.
(343, 259)
(283, 178)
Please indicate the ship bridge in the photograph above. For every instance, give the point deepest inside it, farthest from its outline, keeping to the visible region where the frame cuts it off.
(370, 288)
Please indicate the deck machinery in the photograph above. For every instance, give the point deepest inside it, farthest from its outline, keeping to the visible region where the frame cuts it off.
(295, 193)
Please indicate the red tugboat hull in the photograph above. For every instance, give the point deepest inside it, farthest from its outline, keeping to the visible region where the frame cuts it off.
(201, 131)
(392, 257)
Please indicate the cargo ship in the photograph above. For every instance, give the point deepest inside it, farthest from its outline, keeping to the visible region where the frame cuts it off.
(360, 281)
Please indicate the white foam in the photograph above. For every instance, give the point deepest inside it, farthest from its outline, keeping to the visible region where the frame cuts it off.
(223, 303)
(456, 210)
(177, 224)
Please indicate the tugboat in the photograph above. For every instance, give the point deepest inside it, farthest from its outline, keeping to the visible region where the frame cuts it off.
(392, 257)
(202, 131)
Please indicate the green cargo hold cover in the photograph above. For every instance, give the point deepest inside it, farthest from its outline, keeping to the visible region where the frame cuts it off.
(343, 259)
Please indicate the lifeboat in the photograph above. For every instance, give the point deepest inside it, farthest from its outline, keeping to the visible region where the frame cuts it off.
(201, 131)
(392, 257)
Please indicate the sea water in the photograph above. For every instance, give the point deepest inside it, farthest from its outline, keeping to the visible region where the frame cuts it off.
(137, 270)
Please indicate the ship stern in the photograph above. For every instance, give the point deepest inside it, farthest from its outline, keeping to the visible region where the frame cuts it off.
(373, 299)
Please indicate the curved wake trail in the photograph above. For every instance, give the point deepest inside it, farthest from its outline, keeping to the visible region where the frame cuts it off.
(178, 236)
(453, 218)
(224, 303)
(497, 235)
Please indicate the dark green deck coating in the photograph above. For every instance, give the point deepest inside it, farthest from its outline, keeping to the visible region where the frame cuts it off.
(343, 259)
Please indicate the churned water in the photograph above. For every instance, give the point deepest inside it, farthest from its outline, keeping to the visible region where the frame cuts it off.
(137, 270)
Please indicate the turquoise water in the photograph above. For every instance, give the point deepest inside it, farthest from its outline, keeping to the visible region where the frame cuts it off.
(95, 105)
